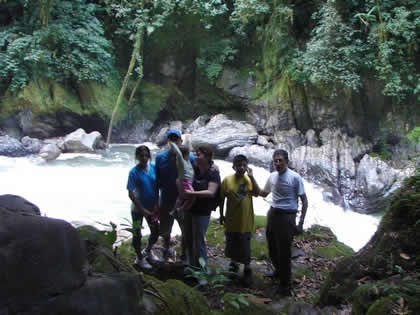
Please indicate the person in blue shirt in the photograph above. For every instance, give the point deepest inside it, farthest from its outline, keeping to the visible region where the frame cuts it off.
(141, 188)
(166, 176)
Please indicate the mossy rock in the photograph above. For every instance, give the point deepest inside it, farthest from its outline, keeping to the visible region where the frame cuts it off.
(49, 97)
(180, 299)
(386, 296)
(334, 249)
(100, 253)
(395, 243)
(318, 233)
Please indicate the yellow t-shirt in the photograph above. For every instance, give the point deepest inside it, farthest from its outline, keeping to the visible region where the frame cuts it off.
(239, 209)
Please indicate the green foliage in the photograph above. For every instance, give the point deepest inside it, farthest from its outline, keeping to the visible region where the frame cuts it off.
(214, 279)
(213, 56)
(72, 47)
(345, 44)
(414, 135)
(236, 300)
(334, 54)
(397, 37)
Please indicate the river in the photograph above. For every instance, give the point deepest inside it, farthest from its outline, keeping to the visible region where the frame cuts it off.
(91, 188)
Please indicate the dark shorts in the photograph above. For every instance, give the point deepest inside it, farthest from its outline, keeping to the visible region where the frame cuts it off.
(238, 247)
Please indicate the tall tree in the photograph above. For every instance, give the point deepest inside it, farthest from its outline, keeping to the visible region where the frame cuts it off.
(44, 11)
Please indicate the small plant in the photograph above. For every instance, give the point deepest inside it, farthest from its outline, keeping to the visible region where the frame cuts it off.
(236, 300)
(202, 274)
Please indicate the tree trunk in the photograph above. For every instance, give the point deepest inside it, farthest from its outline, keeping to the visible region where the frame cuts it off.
(44, 11)
(133, 92)
(135, 56)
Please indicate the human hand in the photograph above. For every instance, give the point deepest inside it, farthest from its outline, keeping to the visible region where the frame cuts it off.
(250, 172)
(222, 220)
(299, 229)
(214, 167)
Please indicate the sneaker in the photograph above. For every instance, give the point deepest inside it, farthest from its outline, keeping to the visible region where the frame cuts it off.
(202, 282)
(151, 256)
(168, 253)
(272, 274)
(142, 263)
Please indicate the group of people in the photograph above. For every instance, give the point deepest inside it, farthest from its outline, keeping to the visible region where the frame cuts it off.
(187, 187)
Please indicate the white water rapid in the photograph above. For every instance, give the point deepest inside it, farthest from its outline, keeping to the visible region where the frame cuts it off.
(92, 188)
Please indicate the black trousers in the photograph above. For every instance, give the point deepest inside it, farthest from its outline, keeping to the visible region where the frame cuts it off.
(280, 230)
(137, 223)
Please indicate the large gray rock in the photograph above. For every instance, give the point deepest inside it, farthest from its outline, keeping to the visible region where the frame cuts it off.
(31, 145)
(43, 269)
(11, 147)
(375, 179)
(333, 164)
(256, 154)
(18, 205)
(40, 258)
(106, 295)
(138, 134)
(38, 127)
(80, 141)
(289, 139)
(223, 134)
(199, 122)
(50, 152)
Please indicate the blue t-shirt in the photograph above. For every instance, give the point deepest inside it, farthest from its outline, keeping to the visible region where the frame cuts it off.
(143, 183)
(166, 175)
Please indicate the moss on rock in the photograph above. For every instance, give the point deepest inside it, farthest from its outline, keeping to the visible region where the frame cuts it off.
(334, 249)
(385, 296)
(180, 299)
(393, 249)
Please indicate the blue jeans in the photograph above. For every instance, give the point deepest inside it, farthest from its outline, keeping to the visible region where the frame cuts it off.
(195, 228)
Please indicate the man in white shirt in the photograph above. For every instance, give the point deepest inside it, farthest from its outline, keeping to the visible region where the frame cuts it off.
(287, 188)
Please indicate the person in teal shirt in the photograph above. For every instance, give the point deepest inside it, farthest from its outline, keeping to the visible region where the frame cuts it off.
(141, 188)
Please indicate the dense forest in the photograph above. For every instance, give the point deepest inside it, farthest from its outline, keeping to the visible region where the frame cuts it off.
(166, 59)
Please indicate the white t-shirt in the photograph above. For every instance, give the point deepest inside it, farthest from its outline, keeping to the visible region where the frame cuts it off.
(286, 188)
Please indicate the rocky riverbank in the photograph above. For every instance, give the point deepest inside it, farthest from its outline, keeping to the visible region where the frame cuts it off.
(67, 271)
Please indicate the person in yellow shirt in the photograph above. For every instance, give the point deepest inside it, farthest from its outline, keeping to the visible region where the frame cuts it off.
(238, 190)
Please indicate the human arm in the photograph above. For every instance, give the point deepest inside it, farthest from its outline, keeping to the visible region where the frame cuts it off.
(138, 206)
(221, 206)
(266, 190)
(179, 158)
(304, 201)
(222, 202)
(210, 192)
(255, 188)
